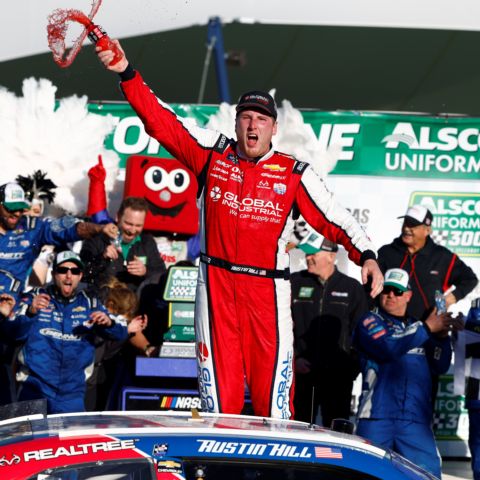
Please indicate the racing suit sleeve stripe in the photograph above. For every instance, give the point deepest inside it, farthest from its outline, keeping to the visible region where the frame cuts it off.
(320, 209)
(182, 138)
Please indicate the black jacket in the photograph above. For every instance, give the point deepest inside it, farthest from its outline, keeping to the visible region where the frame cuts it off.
(432, 268)
(99, 269)
(324, 317)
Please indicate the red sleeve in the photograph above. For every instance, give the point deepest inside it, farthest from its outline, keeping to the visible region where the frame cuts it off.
(320, 209)
(181, 137)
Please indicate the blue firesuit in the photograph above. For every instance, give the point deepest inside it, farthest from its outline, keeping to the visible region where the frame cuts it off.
(59, 348)
(398, 357)
(472, 394)
(20, 247)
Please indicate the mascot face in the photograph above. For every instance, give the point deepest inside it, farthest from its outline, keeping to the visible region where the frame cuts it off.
(170, 190)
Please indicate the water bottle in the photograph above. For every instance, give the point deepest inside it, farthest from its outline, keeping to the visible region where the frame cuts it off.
(117, 242)
(440, 302)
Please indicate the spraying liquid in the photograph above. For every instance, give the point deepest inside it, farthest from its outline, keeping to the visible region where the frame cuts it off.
(57, 28)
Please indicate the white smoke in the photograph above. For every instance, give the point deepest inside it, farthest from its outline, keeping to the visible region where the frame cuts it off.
(64, 142)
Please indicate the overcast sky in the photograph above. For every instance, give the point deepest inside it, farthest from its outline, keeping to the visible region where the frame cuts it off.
(23, 22)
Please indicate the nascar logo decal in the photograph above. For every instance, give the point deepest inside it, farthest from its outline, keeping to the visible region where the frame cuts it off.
(180, 403)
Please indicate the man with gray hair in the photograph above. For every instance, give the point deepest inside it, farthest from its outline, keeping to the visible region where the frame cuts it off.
(430, 266)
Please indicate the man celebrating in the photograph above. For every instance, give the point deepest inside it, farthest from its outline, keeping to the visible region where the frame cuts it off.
(58, 326)
(431, 267)
(326, 305)
(21, 240)
(249, 196)
(132, 258)
(399, 355)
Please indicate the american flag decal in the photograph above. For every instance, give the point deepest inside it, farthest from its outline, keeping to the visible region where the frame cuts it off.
(327, 452)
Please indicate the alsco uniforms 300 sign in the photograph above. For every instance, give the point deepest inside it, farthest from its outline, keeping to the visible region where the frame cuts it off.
(242, 317)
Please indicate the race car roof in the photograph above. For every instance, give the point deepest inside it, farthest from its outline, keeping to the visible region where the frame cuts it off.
(65, 425)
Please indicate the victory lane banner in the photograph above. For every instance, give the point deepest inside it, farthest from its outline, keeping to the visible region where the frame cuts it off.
(376, 144)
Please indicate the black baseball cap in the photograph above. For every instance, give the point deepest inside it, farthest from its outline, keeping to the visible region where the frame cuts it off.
(257, 100)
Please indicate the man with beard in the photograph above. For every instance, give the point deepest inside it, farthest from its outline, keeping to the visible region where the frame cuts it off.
(133, 258)
(58, 326)
(21, 240)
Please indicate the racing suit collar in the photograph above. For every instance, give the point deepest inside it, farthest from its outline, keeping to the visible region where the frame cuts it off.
(388, 316)
(55, 293)
(262, 158)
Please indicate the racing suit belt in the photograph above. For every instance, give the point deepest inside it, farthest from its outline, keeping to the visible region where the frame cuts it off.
(245, 269)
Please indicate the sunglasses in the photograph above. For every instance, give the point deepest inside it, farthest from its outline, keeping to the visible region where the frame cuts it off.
(388, 290)
(64, 270)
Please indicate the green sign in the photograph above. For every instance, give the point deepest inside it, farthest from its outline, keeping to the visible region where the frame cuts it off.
(456, 219)
(129, 136)
(181, 284)
(397, 145)
(392, 145)
(180, 333)
(450, 416)
(181, 313)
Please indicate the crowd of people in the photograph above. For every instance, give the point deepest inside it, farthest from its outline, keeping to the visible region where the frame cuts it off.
(67, 341)
(298, 341)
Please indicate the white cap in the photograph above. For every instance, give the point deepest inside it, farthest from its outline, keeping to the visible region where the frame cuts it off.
(398, 278)
(418, 215)
(12, 197)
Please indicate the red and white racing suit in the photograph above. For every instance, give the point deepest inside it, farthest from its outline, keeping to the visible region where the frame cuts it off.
(243, 322)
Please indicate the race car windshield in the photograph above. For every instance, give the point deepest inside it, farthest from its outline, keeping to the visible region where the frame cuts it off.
(204, 470)
(216, 470)
(113, 470)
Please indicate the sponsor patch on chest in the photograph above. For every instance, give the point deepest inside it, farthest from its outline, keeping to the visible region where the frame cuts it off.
(306, 292)
(339, 294)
